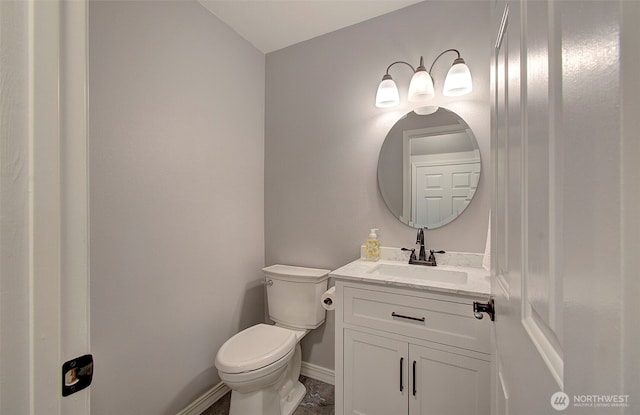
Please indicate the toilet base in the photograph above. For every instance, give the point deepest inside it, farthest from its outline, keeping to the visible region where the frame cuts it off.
(282, 398)
(267, 401)
(295, 397)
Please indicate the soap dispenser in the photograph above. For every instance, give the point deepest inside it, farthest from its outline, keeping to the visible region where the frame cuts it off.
(372, 246)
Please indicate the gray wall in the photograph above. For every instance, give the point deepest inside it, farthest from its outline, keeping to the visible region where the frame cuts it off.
(177, 216)
(323, 134)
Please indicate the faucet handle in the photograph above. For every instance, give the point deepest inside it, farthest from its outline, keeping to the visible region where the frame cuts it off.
(432, 258)
(413, 253)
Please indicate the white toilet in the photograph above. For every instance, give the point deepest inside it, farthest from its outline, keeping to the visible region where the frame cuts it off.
(261, 364)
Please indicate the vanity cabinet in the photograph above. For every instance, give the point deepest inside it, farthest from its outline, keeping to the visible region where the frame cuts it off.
(405, 351)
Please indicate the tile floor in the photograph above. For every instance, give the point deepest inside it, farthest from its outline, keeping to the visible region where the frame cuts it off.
(319, 400)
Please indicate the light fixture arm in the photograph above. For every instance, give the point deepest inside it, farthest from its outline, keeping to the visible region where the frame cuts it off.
(406, 63)
(438, 57)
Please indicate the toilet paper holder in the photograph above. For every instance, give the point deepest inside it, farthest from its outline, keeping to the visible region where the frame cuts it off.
(328, 299)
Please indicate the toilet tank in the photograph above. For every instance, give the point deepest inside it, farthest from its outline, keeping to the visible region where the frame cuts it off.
(293, 295)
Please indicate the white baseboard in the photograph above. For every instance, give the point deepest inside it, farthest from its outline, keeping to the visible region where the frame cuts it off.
(214, 394)
(205, 401)
(318, 373)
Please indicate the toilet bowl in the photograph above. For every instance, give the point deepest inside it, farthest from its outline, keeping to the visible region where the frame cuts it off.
(261, 364)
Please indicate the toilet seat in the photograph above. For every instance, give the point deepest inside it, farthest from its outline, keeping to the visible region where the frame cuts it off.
(254, 348)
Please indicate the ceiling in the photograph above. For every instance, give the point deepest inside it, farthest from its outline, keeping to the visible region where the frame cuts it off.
(270, 25)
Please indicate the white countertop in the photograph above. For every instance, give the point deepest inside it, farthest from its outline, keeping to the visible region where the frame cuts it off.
(477, 283)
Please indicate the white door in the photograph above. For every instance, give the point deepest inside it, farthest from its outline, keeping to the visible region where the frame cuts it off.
(447, 383)
(526, 289)
(557, 214)
(46, 225)
(443, 191)
(375, 375)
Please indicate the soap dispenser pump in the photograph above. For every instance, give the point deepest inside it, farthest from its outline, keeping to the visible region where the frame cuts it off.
(372, 246)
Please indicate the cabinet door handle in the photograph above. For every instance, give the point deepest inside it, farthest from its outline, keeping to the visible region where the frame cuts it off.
(401, 365)
(414, 378)
(394, 314)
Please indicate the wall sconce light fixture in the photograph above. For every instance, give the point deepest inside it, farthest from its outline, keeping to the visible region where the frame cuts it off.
(458, 82)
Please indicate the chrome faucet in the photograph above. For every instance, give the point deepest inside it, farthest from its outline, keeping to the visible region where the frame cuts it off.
(422, 256)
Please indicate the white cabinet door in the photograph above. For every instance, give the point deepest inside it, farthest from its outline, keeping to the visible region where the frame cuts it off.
(447, 383)
(375, 375)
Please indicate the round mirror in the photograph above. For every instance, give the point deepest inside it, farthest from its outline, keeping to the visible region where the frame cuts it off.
(429, 167)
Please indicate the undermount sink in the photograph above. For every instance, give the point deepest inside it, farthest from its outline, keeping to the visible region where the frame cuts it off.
(420, 272)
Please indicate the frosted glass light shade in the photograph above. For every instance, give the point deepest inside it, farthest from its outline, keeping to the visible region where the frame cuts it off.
(458, 81)
(421, 86)
(387, 95)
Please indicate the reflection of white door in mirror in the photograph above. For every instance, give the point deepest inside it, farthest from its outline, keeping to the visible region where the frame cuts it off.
(442, 191)
(439, 141)
(441, 138)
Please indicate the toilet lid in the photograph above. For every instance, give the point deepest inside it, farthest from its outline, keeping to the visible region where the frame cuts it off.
(255, 347)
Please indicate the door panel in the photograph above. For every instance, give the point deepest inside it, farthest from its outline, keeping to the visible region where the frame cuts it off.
(542, 288)
(537, 175)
